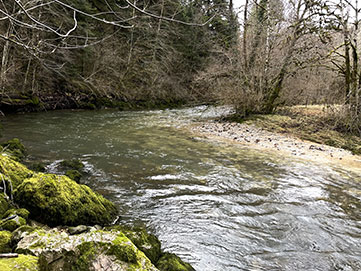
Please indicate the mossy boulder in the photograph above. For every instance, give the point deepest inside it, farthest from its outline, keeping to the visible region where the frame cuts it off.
(4, 205)
(5, 241)
(20, 212)
(75, 164)
(20, 263)
(58, 200)
(21, 232)
(171, 262)
(13, 170)
(94, 250)
(15, 148)
(73, 174)
(146, 242)
(11, 223)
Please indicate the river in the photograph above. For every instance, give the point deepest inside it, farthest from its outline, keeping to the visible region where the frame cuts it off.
(219, 206)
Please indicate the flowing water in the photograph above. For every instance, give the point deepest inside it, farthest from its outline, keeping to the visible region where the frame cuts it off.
(218, 206)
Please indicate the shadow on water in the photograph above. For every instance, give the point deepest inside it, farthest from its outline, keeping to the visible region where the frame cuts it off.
(219, 206)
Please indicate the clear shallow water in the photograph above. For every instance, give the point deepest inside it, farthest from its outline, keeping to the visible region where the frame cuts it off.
(218, 206)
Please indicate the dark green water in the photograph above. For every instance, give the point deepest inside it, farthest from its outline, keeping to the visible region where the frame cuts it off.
(218, 206)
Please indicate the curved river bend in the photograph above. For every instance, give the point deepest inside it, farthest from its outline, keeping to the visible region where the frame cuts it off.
(218, 206)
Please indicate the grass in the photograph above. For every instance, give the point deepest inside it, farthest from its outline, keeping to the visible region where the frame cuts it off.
(314, 123)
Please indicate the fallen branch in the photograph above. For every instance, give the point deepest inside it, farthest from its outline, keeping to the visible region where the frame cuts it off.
(9, 255)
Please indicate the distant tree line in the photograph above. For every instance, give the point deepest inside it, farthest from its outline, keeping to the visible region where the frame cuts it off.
(67, 53)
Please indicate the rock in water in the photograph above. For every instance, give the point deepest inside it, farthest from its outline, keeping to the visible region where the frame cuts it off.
(58, 200)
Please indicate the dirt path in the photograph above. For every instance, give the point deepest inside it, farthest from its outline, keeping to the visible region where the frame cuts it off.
(261, 139)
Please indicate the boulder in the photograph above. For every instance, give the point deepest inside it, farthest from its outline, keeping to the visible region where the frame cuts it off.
(78, 229)
(15, 148)
(146, 242)
(4, 205)
(5, 241)
(13, 171)
(94, 250)
(12, 222)
(171, 262)
(73, 174)
(20, 263)
(74, 164)
(20, 212)
(58, 200)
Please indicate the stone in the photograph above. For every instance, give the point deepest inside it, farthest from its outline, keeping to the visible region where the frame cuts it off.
(15, 148)
(4, 205)
(13, 171)
(171, 262)
(96, 250)
(74, 164)
(20, 212)
(11, 223)
(58, 200)
(146, 242)
(5, 241)
(77, 230)
(73, 174)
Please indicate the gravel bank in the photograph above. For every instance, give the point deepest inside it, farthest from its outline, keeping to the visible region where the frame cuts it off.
(259, 138)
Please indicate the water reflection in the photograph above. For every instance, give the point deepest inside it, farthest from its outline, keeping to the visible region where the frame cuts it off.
(219, 206)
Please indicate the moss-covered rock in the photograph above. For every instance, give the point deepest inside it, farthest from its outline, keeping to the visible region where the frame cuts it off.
(74, 175)
(58, 200)
(21, 263)
(171, 262)
(95, 250)
(146, 242)
(15, 171)
(20, 212)
(4, 205)
(21, 232)
(15, 148)
(5, 241)
(75, 164)
(12, 223)
(38, 167)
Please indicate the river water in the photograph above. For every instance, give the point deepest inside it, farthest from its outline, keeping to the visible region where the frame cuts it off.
(218, 206)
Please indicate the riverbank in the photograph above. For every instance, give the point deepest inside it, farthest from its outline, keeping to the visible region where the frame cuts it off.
(298, 131)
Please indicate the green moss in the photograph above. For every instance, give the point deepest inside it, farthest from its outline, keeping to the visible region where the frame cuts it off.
(72, 164)
(171, 262)
(87, 253)
(13, 170)
(12, 224)
(15, 148)
(144, 241)
(58, 200)
(4, 205)
(123, 249)
(21, 263)
(74, 175)
(5, 241)
(20, 212)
